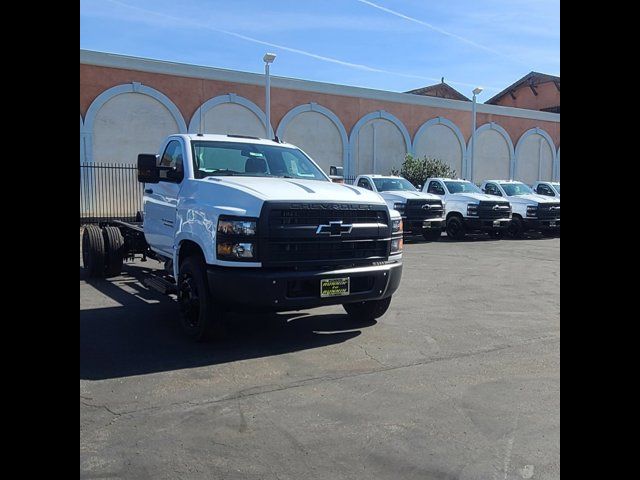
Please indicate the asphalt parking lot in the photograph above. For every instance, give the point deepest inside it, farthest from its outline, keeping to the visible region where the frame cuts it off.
(459, 380)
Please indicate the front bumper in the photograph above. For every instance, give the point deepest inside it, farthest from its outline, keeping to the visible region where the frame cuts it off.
(418, 227)
(267, 289)
(546, 224)
(486, 225)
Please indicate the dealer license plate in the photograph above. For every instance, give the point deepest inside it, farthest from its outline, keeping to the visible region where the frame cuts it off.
(552, 224)
(496, 223)
(334, 287)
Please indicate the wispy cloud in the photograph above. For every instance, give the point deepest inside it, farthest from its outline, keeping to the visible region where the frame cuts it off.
(439, 30)
(188, 22)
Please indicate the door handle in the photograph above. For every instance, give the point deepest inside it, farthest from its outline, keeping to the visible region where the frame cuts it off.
(148, 190)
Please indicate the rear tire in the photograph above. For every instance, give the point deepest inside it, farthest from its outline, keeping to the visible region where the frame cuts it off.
(198, 316)
(93, 251)
(455, 228)
(432, 235)
(516, 228)
(114, 247)
(368, 310)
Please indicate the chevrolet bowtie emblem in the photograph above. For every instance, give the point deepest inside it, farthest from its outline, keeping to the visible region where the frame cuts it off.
(426, 206)
(334, 229)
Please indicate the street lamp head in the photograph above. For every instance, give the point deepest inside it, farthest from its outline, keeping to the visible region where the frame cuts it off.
(477, 90)
(269, 57)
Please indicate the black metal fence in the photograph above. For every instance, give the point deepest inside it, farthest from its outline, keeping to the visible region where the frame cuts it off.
(109, 191)
(349, 180)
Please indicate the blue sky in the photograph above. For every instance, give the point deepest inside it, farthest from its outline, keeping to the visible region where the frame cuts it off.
(392, 45)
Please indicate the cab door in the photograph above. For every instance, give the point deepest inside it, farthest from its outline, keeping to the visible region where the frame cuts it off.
(161, 199)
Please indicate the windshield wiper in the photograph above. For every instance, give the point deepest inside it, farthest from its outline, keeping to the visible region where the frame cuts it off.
(225, 171)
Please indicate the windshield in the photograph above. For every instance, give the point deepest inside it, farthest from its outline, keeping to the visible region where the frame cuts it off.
(462, 187)
(390, 184)
(251, 160)
(512, 189)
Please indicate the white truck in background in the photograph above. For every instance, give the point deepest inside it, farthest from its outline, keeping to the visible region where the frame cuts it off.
(242, 223)
(530, 211)
(467, 209)
(548, 189)
(422, 213)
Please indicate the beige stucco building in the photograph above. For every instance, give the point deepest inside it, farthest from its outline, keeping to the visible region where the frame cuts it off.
(127, 106)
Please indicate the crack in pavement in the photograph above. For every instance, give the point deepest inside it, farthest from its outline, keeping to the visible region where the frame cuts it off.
(261, 390)
(371, 356)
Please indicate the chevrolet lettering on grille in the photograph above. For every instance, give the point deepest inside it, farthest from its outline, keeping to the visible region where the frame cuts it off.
(334, 229)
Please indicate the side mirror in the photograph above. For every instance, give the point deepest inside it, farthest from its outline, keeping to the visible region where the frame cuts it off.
(420, 187)
(148, 171)
(336, 174)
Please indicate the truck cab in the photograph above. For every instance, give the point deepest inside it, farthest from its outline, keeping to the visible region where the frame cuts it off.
(467, 209)
(530, 211)
(243, 223)
(548, 189)
(422, 213)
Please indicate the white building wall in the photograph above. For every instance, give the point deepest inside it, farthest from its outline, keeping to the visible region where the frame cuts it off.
(129, 124)
(491, 159)
(232, 118)
(439, 141)
(318, 136)
(535, 160)
(380, 146)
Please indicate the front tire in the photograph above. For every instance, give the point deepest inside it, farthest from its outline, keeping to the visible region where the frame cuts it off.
(368, 310)
(516, 228)
(198, 316)
(455, 228)
(432, 235)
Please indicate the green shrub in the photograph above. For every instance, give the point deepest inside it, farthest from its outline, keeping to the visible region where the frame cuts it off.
(417, 170)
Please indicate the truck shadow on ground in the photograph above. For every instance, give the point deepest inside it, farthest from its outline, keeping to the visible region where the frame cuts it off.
(142, 335)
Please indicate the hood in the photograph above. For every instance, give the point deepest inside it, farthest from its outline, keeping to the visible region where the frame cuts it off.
(464, 197)
(290, 189)
(403, 195)
(531, 198)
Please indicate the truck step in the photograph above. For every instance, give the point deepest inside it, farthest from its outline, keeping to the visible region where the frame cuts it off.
(160, 284)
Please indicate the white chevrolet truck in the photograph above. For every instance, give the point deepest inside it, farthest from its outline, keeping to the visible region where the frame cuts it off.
(243, 223)
(467, 209)
(422, 213)
(548, 189)
(530, 211)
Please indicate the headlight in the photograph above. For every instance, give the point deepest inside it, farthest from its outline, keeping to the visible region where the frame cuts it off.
(236, 251)
(396, 245)
(532, 210)
(472, 210)
(231, 226)
(235, 239)
(399, 206)
(396, 225)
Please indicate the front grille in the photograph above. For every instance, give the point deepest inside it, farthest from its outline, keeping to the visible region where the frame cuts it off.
(492, 210)
(312, 250)
(548, 211)
(290, 235)
(301, 217)
(415, 210)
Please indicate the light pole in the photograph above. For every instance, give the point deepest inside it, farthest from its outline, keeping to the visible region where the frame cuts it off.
(268, 58)
(476, 91)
